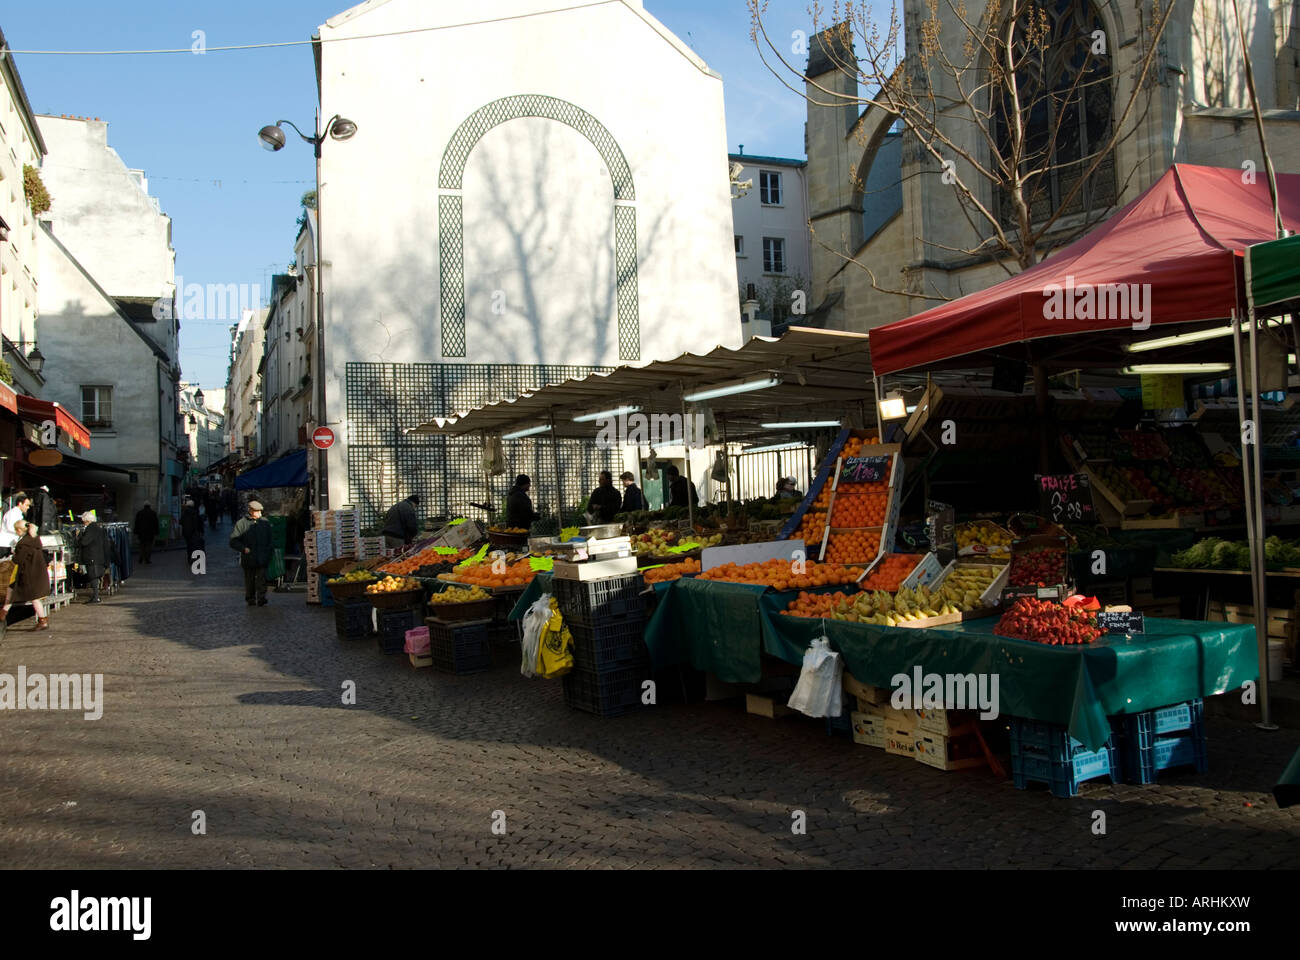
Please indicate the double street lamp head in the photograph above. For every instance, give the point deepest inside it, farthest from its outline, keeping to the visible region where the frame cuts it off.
(272, 137)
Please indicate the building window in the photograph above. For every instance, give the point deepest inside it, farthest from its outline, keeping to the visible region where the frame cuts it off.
(769, 187)
(773, 255)
(97, 406)
(740, 246)
(1065, 106)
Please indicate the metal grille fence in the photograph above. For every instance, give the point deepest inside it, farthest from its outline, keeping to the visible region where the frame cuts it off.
(386, 465)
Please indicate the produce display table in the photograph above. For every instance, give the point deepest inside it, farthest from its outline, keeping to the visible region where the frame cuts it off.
(724, 628)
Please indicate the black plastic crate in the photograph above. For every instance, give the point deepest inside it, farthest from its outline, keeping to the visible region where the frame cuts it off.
(352, 619)
(393, 625)
(609, 645)
(460, 647)
(608, 694)
(585, 603)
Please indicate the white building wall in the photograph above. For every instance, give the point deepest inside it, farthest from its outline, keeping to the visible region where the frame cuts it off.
(539, 242)
(753, 220)
(19, 256)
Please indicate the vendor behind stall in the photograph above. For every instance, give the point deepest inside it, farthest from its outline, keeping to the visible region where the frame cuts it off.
(605, 501)
(401, 523)
(519, 505)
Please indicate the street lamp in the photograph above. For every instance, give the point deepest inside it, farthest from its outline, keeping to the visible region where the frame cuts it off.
(36, 359)
(273, 138)
(198, 397)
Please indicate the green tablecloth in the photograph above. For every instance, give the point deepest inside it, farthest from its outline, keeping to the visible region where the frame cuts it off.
(1287, 790)
(725, 628)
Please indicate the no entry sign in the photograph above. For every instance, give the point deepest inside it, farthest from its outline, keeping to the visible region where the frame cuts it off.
(323, 438)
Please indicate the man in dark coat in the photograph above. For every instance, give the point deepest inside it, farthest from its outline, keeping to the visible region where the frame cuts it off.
(604, 501)
(680, 488)
(191, 529)
(519, 505)
(230, 500)
(212, 504)
(33, 582)
(94, 553)
(401, 523)
(146, 528)
(252, 538)
(633, 498)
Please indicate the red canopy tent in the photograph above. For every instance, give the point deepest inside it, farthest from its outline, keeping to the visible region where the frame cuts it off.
(1184, 236)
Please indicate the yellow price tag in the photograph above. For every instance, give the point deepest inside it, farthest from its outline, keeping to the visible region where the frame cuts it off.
(454, 523)
(568, 533)
(478, 557)
(446, 551)
(683, 547)
(541, 564)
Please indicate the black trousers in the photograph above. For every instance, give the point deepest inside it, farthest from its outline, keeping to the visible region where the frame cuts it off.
(254, 583)
(146, 550)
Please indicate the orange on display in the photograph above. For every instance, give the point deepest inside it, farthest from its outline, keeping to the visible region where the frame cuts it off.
(671, 571)
(780, 574)
(518, 574)
(890, 572)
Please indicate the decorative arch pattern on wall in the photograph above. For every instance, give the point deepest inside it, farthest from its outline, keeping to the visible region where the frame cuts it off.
(451, 214)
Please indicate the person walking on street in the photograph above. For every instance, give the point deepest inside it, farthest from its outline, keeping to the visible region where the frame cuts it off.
(212, 504)
(33, 582)
(401, 523)
(519, 505)
(191, 529)
(633, 499)
(230, 500)
(146, 529)
(252, 539)
(95, 554)
(604, 500)
(9, 534)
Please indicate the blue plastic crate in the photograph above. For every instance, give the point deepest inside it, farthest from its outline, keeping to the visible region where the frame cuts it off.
(1144, 765)
(839, 726)
(1062, 774)
(1149, 724)
(326, 596)
(1050, 738)
(591, 603)
(609, 645)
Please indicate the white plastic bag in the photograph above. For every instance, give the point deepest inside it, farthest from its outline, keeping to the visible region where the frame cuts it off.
(534, 622)
(817, 693)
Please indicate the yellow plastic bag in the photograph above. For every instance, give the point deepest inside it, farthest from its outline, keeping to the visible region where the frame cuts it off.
(555, 651)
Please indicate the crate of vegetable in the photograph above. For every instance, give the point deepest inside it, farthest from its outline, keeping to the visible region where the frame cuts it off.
(1039, 561)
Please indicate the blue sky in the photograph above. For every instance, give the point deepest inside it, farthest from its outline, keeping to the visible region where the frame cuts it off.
(191, 122)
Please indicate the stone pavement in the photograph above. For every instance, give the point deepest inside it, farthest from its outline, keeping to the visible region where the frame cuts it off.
(211, 705)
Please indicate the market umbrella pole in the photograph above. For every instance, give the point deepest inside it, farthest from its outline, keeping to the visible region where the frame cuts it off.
(1252, 509)
(690, 479)
(559, 484)
(1257, 557)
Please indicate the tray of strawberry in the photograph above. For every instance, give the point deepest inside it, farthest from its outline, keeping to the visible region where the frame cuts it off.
(1042, 621)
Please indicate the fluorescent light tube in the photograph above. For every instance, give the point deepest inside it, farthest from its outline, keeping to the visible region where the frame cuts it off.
(801, 424)
(1141, 368)
(776, 446)
(1196, 336)
(608, 414)
(531, 431)
(727, 390)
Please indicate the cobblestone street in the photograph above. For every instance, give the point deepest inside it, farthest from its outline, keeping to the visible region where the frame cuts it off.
(211, 705)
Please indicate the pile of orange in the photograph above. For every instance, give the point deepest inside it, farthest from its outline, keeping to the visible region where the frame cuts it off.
(811, 528)
(671, 571)
(780, 574)
(860, 509)
(853, 546)
(890, 572)
(517, 574)
(429, 556)
(853, 446)
(816, 604)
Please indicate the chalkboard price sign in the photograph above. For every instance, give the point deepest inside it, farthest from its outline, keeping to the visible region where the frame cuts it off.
(864, 469)
(1121, 621)
(1065, 498)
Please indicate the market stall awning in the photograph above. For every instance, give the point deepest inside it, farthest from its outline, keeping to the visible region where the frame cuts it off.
(38, 411)
(1171, 254)
(8, 397)
(1273, 272)
(815, 371)
(288, 471)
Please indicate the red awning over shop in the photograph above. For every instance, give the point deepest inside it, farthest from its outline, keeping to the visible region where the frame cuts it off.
(1182, 236)
(8, 398)
(37, 411)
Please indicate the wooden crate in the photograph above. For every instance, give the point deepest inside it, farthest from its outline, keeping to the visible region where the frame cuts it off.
(769, 707)
(865, 693)
(954, 752)
(868, 729)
